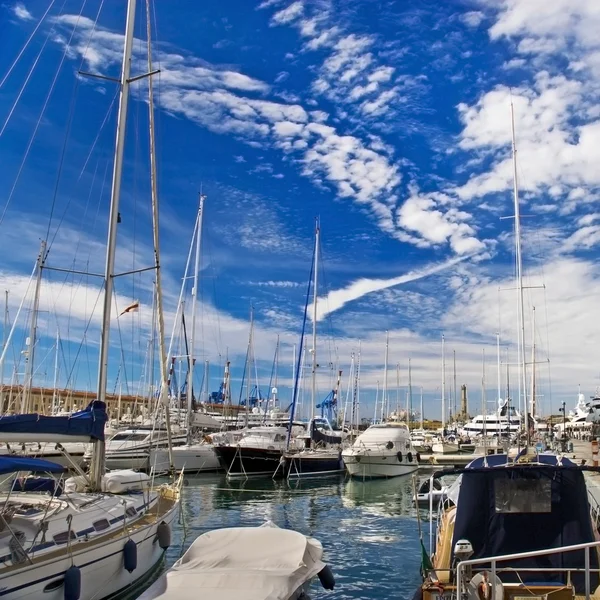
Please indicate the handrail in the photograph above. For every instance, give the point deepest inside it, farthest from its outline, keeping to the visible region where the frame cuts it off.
(533, 553)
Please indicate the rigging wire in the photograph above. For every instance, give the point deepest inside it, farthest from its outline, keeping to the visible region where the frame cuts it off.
(31, 35)
(41, 115)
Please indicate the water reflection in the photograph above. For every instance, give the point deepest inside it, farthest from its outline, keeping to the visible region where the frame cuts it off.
(368, 529)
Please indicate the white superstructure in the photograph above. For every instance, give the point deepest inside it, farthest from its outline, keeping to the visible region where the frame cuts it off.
(383, 450)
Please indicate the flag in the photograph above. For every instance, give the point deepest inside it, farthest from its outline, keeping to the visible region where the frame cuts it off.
(425, 560)
(131, 308)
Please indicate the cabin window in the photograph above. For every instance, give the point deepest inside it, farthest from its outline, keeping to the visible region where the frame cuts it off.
(101, 525)
(522, 495)
(62, 538)
(131, 512)
(279, 438)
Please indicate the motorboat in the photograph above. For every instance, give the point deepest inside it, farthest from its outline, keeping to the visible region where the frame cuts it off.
(257, 453)
(382, 450)
(505, 420)
(430, 491)
(254, 563)
(510, 525)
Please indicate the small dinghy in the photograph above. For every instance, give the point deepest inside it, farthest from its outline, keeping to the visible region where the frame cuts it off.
(423, 493)
(253, 563)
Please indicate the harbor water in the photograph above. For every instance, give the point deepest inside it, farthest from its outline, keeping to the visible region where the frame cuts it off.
(369, 530)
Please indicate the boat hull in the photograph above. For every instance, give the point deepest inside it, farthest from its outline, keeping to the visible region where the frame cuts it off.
(373, 466)
(242, 462)
(101, 566)
(197, 458)
(313, 464)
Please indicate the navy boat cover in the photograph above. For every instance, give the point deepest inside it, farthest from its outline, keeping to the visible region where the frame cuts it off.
(12, 464)
(88, 422)
(562, 519)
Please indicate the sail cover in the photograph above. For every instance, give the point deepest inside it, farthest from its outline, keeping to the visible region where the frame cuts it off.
(12, 464)
(83, 426)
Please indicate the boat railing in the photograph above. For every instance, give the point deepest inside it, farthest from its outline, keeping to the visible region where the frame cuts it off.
(494, 560)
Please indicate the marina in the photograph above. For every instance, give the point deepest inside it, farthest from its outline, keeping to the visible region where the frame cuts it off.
(299, 300)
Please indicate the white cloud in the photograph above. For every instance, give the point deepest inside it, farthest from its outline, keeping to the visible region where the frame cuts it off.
(472, 18)
(21, 12)
(361, 287)
(429, 217)
(289, 14)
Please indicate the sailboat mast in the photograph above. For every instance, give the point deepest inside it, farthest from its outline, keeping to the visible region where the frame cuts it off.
(313, 392)
(192, 359)
(454, 371)
(422, 417)
(533, 407)
(26, 404)
(55, 383)
(498, 359)
(97, 464)
(409, 393)
(384, 402)
(4, 343)
(443, 385)
(519, 259)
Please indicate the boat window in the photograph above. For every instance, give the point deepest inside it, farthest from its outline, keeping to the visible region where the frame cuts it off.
(54, 585)
(279, 438)
(132, 437)
(131, 512)
(101, 525)
(61, 538)
(522, 495)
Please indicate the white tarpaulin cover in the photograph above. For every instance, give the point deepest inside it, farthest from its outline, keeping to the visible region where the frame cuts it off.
(249, 563)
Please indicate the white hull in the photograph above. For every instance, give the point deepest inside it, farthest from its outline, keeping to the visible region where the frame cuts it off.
(444, 448)
(127, 460)
(101, 565)
(377, 466)
(190, 459)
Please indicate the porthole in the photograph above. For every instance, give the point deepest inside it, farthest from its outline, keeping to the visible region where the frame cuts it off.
(54, 585)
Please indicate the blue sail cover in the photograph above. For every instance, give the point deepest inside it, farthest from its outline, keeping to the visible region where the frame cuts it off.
(12, 464)
(85, 425)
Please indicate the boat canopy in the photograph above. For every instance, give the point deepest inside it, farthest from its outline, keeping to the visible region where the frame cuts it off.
(85, 425)
(252, 563)
(13, 464)
(507, 507)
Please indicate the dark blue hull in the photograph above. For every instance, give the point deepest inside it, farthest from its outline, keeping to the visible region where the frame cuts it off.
(313, 464)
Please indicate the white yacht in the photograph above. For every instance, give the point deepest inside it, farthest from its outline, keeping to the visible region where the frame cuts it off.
(383, 450)
(190, 458)
(506, 419)
(580, 419)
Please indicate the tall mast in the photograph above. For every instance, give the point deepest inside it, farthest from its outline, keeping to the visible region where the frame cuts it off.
(3, 408)
(192, 350)
(443, 385)
(454, 371)
(164, 375)
(97, 464)
(409, 393)
(55, 383)
(313, 392)
(519, 259)
(384, 403)
(533, 406)
(498, 358)
(26, 404)
(376, 402)
(206, 380)
(422, 418)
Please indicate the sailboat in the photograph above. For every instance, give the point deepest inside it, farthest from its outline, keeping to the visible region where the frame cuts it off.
(515, 524)
(321, 455)
(193, 456)
(93, 544)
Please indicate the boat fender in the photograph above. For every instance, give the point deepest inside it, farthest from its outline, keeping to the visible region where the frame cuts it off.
(163, 534)
(399, 455)
(418, 457)
(130, 556)
(72, 583)
(326, 578)
(409, 457)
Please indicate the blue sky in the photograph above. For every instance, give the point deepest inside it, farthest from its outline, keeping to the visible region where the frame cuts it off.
(390, 121)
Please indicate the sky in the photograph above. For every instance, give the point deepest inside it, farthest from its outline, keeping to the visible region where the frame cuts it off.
(389, 122)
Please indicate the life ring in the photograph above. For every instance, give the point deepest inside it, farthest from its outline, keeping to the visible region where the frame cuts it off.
(409, 457)
(399, 455)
